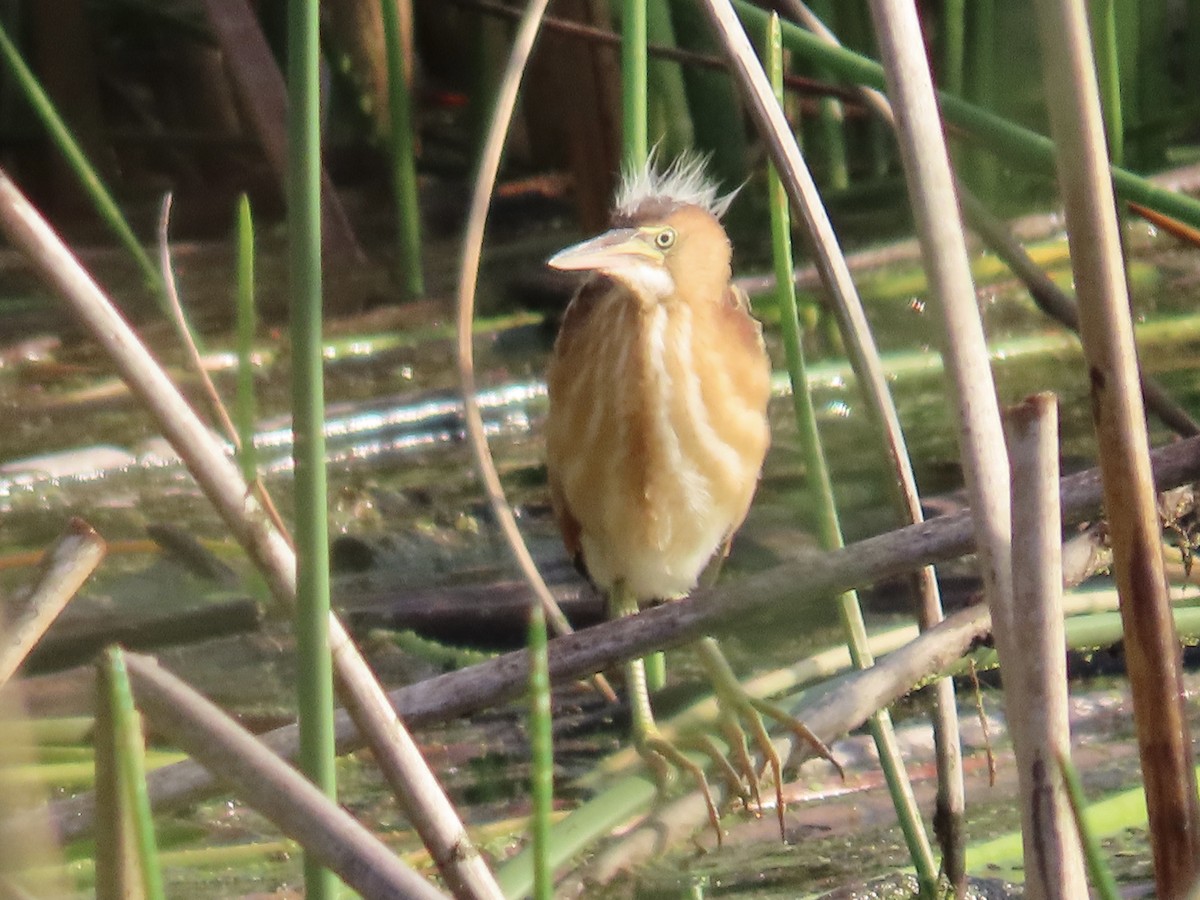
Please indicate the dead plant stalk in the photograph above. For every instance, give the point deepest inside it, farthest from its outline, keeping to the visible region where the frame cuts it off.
(1152, 651)
(1053, 860)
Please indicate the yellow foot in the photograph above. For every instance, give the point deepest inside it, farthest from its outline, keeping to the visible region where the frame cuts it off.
(740, 711)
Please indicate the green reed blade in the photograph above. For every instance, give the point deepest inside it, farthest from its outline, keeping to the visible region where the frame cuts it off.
(1099, 873)
(541, 739)
(129, 747)
(829, 531)
(315, 678)
(89, 178)
(403, 152)
(245, 408)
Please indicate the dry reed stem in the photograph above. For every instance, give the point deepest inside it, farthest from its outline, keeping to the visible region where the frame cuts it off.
(931, 192)
(419, 794)
(1054, 867)
(864, 359)
(1152, 652)
(964, 346)
(64, 569)
(783, 591)
(950, 813)
(270, 785)
(485, 182)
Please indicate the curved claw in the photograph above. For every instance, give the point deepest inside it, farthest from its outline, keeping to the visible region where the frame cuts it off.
(663, 757)
(660, 754)
(736, 707)
(733, 776)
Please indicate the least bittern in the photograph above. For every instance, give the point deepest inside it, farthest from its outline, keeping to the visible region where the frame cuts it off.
(657, 430)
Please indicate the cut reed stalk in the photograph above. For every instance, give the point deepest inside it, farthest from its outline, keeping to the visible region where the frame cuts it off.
(1152, 651)
(1053, 862)
(65, 567)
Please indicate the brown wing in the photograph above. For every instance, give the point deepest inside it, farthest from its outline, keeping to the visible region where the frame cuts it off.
(736, 312)
(580, 311)
(568, 527)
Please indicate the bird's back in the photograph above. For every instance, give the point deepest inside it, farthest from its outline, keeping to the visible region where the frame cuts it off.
(656, 433)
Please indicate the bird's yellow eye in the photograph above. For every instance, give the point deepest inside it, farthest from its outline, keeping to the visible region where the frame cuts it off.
(665, 239)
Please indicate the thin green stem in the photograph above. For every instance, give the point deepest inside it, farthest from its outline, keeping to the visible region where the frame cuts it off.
(1012, 142)
(1101, 876)
(831, 121)
(315, 688)
(89, 178)
(1103, 15)
(404, 166)
(954, 20)
(634, 121)
(244, 409)
(542, 745)
(829, 532)
(130, 749)
(633, 82)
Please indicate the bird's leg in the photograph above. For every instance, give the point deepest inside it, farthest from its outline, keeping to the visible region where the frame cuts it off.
(738, 706)
(656, 750)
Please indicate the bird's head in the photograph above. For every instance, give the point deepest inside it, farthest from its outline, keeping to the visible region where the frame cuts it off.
(667, 241)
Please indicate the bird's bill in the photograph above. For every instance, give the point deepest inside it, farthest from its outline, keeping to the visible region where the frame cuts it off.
(613, 249)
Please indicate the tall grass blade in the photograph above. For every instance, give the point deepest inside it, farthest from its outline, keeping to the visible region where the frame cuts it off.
(245, 408)
(404, 166)
(829, 532)
(541, 738)
(1103, 14)
(633, 82)
(1101, 876)
(830, 122)
(634, 131)
(132, 806)
(89, 178)
(315, 687)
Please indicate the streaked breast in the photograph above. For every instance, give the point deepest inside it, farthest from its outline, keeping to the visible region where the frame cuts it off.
(655, 437)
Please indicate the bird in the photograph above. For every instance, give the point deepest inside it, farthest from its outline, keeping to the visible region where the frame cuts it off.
(657, 428)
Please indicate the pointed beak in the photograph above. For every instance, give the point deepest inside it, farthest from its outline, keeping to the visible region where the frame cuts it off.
(618, 248)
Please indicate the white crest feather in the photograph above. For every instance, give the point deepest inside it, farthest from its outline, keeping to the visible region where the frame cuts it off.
(684, 181)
